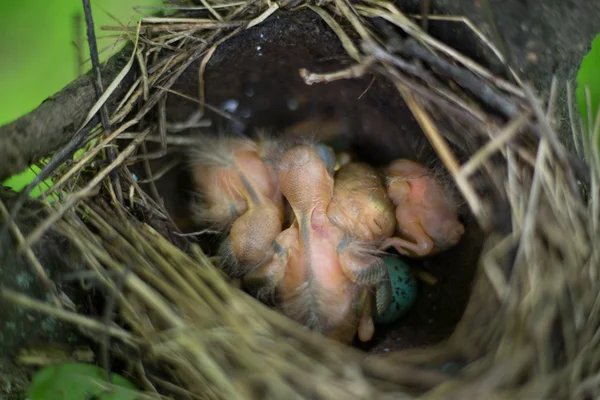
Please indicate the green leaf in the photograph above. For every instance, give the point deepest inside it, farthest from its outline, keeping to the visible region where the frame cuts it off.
(589, 75)
(19, 181)
(73, 381)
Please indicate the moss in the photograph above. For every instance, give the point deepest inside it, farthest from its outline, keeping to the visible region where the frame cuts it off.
(49, 324)
(24, 280)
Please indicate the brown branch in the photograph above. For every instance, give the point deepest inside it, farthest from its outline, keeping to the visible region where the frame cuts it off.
(104, 118)
(481, 89)
(464, 78)
(424, 14)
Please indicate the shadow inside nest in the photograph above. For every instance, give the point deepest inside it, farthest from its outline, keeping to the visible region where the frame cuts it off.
(254, 77)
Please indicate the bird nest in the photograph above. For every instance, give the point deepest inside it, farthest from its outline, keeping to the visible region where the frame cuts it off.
(526, 271)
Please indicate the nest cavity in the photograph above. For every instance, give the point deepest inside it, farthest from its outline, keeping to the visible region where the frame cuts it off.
(516, 312)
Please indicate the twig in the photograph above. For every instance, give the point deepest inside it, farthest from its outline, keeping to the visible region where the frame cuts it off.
(382, 55)
(149, 175)
(396, 17)
(183, 8)
(174, 388)
(69, 149)
(489, 96)
(91, 37)
(588, 126)
(507, 133)
(466, 79)
(349, 11)
(201, 70)
(424, 14)
(575, 132)
(47, 282)
(104, 119)
(445, 154)
(175, 20)
(403, 374)
(546, 131)
(354, 71)
(532, 202)
(491, 17)
(86, 157)
(446, 99)
(75, 197)
(367, 89)
(202, 232)
(214, 109)
(78, 43)
(171, 139)
(260, 19)
(27, 302)
(450, 105)
(161, 172)
(339, 31)
(178, 27)
(552, 99)
(478, 33)
(108, 319)
(212, 10)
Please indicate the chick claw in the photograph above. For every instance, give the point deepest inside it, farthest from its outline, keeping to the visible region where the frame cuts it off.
(425, 212)
(264, 279)
(366, 326)
(362, 209)
(383, 299)
(358, 262)
(410, 227)
(360, 205)
(383, 295)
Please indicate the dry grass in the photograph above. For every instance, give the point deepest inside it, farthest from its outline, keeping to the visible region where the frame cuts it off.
(529, 330)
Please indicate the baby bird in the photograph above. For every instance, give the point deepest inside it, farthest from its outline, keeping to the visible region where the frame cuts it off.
(426, 215)
(360, 205)
(315, 267)
(239, 194)
(363, 210)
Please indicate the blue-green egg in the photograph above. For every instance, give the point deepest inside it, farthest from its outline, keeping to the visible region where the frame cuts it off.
(404, 290)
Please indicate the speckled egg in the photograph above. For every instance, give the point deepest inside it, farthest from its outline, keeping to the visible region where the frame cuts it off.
(404, 290)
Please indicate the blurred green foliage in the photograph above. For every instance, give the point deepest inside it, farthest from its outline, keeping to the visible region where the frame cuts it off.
(589, 75)
(38, 57)
(74, 381)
